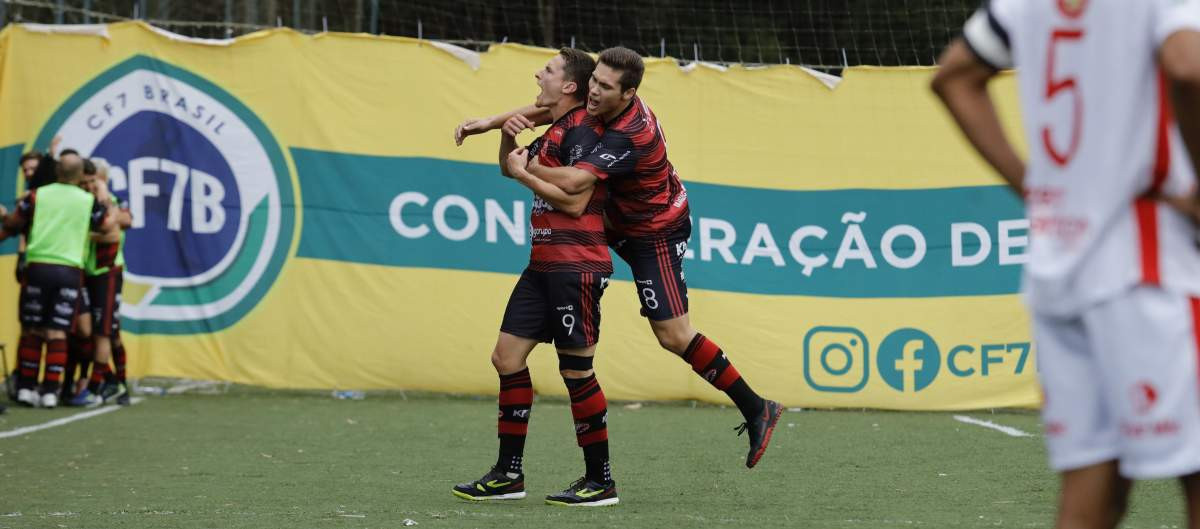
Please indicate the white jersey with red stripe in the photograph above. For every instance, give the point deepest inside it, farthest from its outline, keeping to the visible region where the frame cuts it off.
(1097, 123)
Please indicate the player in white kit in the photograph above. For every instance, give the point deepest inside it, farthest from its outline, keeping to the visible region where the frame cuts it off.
(1113, 280)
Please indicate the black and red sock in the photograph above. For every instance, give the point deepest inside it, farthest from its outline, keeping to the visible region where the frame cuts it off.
(29, 355)
(73, 362)
(590, 411)
(56, 360)
(119, 359)
(710, 362)
(101, 372)
(516, 402)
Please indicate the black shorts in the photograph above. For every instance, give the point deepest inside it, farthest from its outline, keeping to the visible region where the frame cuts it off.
(657, 266)
(558, 307)
(50, 296)
(104, 292)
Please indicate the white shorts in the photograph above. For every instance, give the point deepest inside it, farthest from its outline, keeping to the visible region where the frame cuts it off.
(1121, 382)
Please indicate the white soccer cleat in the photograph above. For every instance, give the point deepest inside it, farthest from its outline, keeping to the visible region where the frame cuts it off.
(50, 400)
(28, 397)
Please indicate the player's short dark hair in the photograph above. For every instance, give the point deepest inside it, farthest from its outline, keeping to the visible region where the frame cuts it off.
(31, 155)
(577, 68)
(626, 61)
(66, 152)
(89, 167)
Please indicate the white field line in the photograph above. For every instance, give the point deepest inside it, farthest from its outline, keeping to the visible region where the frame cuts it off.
(65, 420)
(1006, 430)
(190, 385)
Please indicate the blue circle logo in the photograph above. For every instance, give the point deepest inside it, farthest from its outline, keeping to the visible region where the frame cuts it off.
(908, 360)
(212, 198)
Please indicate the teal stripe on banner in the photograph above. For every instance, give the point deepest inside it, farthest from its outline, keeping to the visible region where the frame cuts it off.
(9, 170)
(423, 212)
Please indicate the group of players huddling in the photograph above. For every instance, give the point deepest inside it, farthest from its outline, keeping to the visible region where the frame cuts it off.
(70, 267)
(1113, 283)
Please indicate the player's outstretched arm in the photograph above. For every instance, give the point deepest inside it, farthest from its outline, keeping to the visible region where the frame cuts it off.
(961, 83)
(473, 126)
(572, 204)
(1179, 57)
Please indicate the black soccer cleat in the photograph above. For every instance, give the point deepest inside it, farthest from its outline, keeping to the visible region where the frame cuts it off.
(111, 391)
(760, 427)
(586, 493)
(492, 486)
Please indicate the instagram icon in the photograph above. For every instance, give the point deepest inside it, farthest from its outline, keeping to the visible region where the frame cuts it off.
(835, 359)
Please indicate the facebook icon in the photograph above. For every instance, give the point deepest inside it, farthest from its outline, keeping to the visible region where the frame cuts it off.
(908, 360)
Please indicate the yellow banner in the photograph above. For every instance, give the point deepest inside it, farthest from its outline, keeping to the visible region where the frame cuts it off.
(847, 248)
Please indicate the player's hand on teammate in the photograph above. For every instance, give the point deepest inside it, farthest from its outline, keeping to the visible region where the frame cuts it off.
(471, 127)
(516, 124)
(534, 165)
(517, 160)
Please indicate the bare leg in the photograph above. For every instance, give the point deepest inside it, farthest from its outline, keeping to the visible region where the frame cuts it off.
(1093, 497)
(1191, 493)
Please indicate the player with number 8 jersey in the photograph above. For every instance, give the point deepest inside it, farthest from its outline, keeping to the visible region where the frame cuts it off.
(1113, 279)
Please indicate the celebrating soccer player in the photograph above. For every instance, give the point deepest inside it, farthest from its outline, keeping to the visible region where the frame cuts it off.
(103, 270)
(557, 298)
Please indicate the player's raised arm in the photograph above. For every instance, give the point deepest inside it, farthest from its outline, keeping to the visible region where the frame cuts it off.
(961, 83)
(572, 204)
(473, 126)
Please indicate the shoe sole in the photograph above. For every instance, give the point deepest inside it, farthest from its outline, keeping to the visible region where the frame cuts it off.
(766, 438)
(509, 496)
(597, 503)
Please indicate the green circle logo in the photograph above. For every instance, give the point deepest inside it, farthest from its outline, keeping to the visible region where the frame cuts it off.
(212, 198)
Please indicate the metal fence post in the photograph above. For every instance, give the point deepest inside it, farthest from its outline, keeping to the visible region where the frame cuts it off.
(374, 17)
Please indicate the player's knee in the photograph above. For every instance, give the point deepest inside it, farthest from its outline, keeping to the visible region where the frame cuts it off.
(574, 366)
(673, 339)
(506, 364)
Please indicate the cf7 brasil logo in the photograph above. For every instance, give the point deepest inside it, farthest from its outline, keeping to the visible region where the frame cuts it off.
(838, 359)
(210, 193)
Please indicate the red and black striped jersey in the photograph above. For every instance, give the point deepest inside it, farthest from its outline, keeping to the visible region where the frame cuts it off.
(647, 198)
(560, 242)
